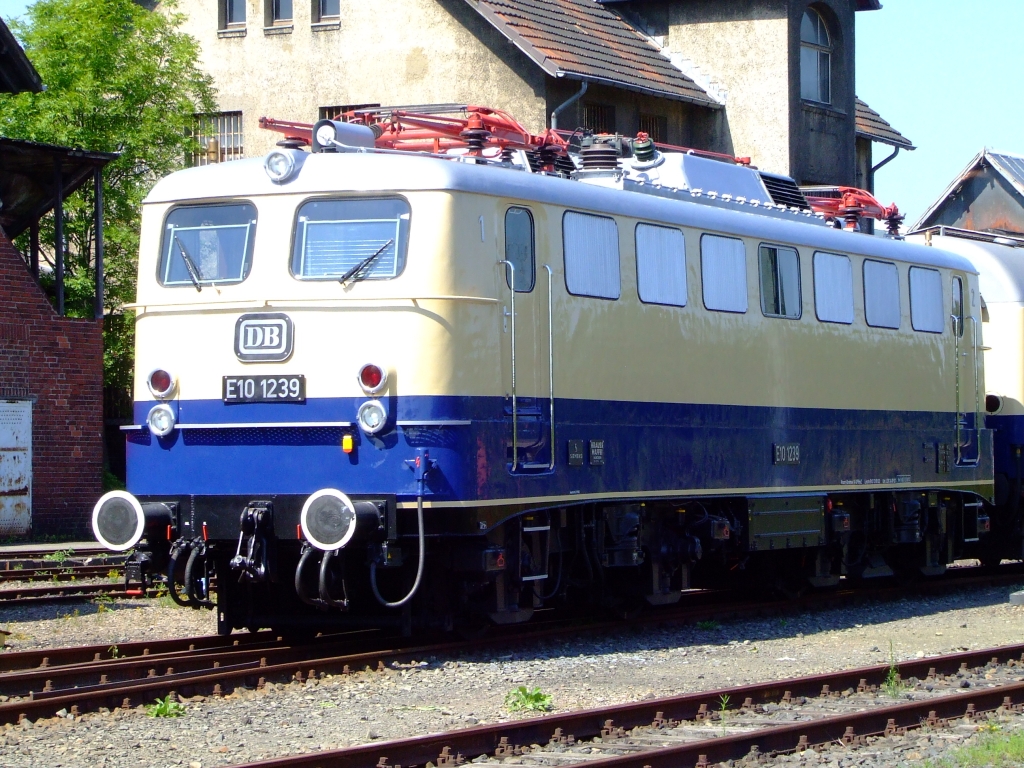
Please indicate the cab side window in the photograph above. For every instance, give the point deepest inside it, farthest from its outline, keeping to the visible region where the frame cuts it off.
(520, 248)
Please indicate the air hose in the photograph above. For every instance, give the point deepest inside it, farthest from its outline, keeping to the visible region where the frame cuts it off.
(419, 566)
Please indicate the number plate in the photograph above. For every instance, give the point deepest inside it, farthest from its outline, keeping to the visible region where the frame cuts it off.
(786, 453)
(264, 389)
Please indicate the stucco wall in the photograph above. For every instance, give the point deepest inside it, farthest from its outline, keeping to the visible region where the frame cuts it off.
(397, 52)
(745, 46)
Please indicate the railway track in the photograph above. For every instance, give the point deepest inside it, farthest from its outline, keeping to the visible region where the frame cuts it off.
(58, 593)
(43, 682)
(701, 729)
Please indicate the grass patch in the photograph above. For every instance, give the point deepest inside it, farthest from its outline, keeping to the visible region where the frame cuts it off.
(893, 686)
(165, 708)
(522, 698)
(60, 556)
(991, 747)
(709, 625)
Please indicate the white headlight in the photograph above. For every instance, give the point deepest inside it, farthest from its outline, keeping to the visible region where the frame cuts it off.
(161, 420)
(372, 416)
(279, 166)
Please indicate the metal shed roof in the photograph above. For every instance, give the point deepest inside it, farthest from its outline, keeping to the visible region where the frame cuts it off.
(1009, 166)
(581, 40)
(872, 125)
(17, 74)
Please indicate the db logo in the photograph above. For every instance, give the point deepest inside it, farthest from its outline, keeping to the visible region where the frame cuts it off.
(263, 337)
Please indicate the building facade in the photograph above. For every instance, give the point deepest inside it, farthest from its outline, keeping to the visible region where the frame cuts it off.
(772, 80)
(51, 367)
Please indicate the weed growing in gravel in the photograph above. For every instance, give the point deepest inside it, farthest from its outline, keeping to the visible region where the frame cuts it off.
(114, 653)
(709, 625)
(522, 698)
(165, 708)
(60, 556)
(892, 685)
(991, 748)
(102, 602)
(113, 573)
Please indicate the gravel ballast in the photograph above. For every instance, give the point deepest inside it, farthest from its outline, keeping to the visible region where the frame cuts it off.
(438, 694)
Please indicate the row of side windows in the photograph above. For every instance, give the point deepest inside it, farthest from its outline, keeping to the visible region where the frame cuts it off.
(591, 248)
(232, 12)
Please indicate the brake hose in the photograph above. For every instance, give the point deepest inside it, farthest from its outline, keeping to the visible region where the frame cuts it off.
(419, 566)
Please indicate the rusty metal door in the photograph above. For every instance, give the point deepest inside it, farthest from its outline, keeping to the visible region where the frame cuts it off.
(15, 467)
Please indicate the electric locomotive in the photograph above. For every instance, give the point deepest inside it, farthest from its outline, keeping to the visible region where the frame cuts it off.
(440, 370)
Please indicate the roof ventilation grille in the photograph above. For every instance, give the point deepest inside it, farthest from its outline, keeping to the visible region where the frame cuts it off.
(784, 191)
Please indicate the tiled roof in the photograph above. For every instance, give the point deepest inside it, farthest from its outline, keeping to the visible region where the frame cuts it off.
(862, 5)
(16, 72)
(871, 125)
(581, 40)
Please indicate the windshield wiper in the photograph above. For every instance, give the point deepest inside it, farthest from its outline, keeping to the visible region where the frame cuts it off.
(190, 266)
(363, 264)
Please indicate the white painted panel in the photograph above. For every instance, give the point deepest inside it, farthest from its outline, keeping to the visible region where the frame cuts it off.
(591, 255)
(926, 310)
(881, 294)
(15, 467)
(723, 271)
(833, 288)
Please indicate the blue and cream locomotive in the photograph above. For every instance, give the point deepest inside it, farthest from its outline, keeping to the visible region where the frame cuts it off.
(375, 385)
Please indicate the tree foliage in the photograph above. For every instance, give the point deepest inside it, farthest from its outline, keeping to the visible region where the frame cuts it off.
(119, 78)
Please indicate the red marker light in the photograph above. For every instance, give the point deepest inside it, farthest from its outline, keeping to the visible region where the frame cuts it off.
(168, 533)
(372, 378)
(204, 532)
(160, 382)
(298, 531)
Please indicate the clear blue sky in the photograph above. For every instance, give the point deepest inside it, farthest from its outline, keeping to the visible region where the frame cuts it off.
(945, 73)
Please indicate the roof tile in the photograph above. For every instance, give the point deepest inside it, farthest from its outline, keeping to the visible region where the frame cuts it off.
(873, 126)
(582, 40)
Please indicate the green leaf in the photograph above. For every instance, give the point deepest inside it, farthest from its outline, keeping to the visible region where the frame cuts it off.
(522, 698)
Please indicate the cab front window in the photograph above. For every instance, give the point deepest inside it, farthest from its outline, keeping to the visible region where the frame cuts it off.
(207, 244)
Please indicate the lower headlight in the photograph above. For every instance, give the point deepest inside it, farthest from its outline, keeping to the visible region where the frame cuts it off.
(372, 416)
(161, 420)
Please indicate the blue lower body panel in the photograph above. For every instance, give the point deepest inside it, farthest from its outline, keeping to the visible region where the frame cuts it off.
(648, 448)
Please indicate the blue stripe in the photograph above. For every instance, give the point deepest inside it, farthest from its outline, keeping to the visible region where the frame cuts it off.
(648, 447)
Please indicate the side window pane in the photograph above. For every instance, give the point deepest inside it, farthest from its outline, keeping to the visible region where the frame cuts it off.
(958, 304)
(334, 236)
(926, 300)
(519, 247)
(723, 270)
(833, 288)
(660, 265)
(591, 246)
(881, 294)
(780, 282)
(211, 243)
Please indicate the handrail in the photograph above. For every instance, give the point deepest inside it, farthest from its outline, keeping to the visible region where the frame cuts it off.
(515, 410)
(977, 378)
(551, 368)
(213, 306)
(956, 371)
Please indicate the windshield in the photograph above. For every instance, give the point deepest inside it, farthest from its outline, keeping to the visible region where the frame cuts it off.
(216, 241)
(334, 236)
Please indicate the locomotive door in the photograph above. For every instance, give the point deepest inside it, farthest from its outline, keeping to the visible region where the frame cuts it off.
(527, 365)
(968, 386)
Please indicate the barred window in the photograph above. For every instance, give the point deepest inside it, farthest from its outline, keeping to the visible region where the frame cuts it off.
(219, 137)
(335, 113)
(655, 126)
(600, 118)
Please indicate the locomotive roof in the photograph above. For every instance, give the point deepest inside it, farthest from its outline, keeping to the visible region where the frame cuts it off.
(372, 172)
(1000, 267)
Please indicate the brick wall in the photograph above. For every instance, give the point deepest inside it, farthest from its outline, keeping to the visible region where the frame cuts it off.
(58, 363)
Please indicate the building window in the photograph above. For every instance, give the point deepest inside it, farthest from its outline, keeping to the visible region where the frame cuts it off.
(519, 247)
(219, 137)
(335, 113)
(326, 10)
(655, 126)
(723, 272)
(277, 12)
(232, 13)
(600, 118)
(591, 248)
(780, 282)
(833, 288)
(660, 265)
(815, 58)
